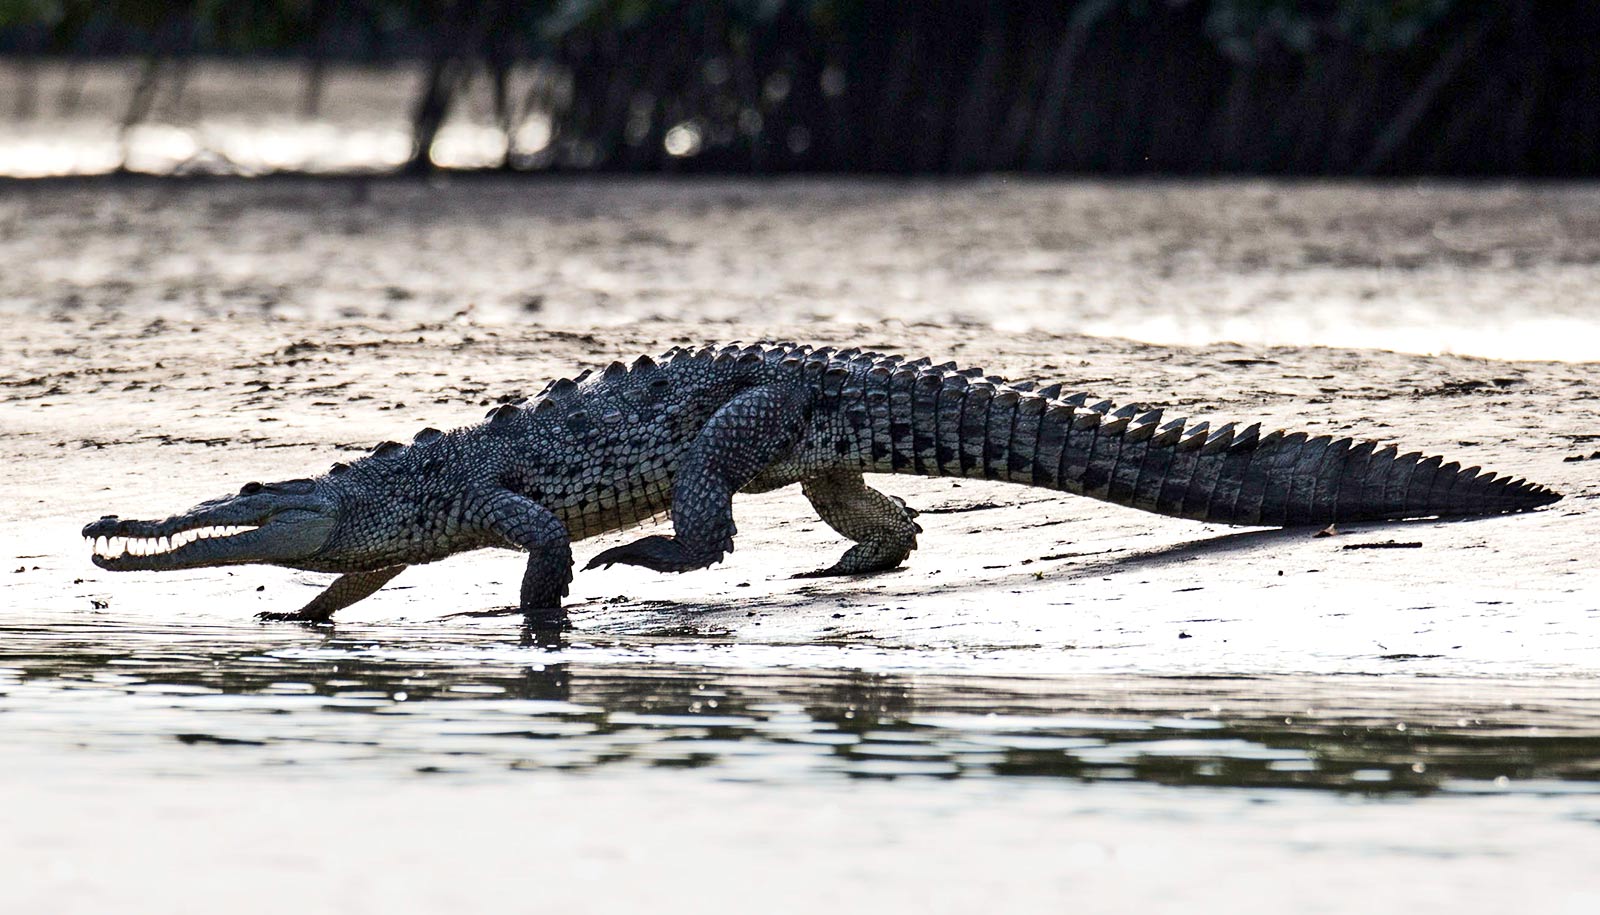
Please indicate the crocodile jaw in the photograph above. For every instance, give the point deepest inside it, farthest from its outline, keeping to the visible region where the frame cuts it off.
(259, 527)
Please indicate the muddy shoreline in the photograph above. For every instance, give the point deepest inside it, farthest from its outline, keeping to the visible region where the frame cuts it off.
(171, 412)
(167, 343)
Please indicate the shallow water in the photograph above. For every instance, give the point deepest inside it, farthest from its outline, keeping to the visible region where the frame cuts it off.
(629, 764)
(397, 702)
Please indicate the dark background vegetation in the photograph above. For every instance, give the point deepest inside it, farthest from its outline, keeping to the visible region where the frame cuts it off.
(1454, 87)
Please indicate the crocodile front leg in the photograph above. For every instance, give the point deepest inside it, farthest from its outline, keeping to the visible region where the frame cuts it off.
(750, 431)
(880, 525)
(345, 590)
(529, 526)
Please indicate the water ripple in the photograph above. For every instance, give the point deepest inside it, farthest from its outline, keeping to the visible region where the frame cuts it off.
(390, 702)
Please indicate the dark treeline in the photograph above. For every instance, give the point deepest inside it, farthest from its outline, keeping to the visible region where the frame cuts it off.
(1452, 87)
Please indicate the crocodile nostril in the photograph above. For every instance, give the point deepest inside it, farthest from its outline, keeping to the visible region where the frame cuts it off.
(250, 489)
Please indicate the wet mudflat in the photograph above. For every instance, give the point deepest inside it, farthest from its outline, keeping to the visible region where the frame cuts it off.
(1056, 703)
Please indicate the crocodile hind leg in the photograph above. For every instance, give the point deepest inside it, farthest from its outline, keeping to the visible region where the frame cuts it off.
(750, 431)
(881, 526)
(345, 590)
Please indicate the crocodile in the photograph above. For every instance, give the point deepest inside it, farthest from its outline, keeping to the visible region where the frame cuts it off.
(679, 434)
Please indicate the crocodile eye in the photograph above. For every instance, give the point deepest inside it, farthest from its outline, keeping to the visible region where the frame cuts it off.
(250, 489)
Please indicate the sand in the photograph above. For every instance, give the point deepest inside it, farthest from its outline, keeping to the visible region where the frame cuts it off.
(169, 342)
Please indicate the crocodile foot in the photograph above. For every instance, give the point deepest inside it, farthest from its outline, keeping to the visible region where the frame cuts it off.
(868, 558)
(658, 553)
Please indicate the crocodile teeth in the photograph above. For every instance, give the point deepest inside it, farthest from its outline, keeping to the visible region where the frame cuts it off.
(117, 547)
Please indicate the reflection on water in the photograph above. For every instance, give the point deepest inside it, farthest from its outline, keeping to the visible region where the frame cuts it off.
(196, 700)
(241, 118)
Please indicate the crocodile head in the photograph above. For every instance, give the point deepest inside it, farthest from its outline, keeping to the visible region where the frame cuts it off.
(284, 523)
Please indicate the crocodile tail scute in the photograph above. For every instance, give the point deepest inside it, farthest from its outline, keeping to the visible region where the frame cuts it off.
(938, 421)
(1275, 479)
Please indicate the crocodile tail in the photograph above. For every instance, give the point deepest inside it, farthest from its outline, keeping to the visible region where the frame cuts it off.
(1234, 476)
(952, 425)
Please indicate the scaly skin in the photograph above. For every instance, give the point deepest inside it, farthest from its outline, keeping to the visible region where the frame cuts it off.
(682, 434)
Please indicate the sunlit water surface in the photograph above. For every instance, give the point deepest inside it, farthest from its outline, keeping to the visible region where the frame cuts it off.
(401, 702)
(387, 768)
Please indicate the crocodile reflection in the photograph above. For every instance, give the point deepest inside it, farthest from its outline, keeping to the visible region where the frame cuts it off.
(510, 707)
